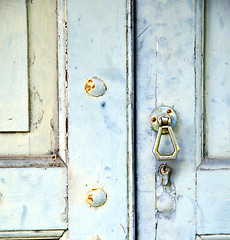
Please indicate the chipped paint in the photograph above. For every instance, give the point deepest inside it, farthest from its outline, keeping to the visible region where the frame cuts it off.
(165, 204)
(165, 194)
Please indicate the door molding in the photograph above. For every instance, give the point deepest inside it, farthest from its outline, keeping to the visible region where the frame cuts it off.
(130, 119)
(213, 237)
(44, 234)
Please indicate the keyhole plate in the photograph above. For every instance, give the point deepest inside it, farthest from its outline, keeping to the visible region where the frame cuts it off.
(157, 112)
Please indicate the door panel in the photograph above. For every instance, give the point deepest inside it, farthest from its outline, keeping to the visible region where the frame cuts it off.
(33, 177)
(213, 173)
(42, 138)
(14, 98)
(213, 196)
(33, 198)
(217, 71)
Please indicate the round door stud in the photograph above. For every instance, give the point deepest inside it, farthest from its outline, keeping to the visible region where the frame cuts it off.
(96, 197)
(95, 87)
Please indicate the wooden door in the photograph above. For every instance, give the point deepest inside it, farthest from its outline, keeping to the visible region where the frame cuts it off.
(182, 57)
(149, 54)
(76, 136)
(33, 173)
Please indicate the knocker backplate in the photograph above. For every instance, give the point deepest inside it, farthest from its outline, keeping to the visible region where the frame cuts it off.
(157, 112)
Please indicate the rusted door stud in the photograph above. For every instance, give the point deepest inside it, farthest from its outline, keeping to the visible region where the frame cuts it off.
(96, 197)
(95, 87)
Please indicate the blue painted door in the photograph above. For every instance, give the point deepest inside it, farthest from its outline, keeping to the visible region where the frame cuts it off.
(182, 61)
(149, 54)
(78, 162)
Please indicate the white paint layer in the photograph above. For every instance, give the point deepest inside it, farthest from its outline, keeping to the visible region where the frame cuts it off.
(14, 110)
(43, 135)
(165, 76)
(213, 196)
(33, 198)
(97, 125)
(217, 82)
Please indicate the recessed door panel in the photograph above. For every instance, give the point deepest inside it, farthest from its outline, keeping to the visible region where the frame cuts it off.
(14, 110)
(217, 79)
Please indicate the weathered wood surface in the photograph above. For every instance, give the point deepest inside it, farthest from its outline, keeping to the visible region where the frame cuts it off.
(213, 174)
(14, 98)
(214, 237)
(33, 198)
(213, 196)
(217, 84)
(165, 76)
(43, 135)
(38, 234)
(62, 81)
(97, 125)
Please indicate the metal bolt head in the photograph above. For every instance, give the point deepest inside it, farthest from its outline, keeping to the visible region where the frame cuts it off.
(165, 204)
(96, 197)
(95, 87)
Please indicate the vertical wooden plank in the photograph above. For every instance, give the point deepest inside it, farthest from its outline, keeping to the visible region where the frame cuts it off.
(131, 165)
(165, 75)
(13, 67)
(97, 125)
(175, 34)
(146, 70)
(62, 83)
(217, 72)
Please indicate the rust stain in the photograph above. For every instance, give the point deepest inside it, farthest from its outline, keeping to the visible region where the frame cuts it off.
(66, 76)
(154, 119)
(169, 111)
(164, 169)
(66, 124)
(66, 128)
(97, 85)
(55, 161)
(88, 85)
(97, 197)
(89, 199)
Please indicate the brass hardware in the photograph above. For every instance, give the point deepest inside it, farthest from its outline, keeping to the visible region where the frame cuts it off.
(166, 121)
(164, 170)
